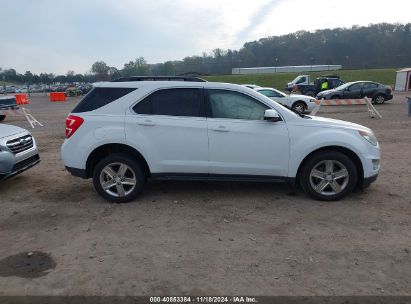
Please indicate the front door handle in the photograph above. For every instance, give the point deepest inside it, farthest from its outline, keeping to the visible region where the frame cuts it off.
(221, 129)
(146, 122)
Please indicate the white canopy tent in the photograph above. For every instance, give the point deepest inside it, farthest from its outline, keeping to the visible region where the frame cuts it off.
(403, 80)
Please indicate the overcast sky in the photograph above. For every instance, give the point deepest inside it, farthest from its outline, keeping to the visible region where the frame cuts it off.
(55, 36)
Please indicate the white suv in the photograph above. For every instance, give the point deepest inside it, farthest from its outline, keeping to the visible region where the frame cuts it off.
(125, 132)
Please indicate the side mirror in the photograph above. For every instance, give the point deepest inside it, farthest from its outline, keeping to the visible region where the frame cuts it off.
(271, 115)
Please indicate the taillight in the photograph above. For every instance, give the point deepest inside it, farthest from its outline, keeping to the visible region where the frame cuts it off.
(72, 125)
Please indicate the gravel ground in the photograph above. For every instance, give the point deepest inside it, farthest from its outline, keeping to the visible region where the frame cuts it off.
(205, 238)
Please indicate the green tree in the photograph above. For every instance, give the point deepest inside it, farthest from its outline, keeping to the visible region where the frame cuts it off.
(100, 70)
(138, 67)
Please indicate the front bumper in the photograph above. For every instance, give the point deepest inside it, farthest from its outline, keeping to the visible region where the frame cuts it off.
(311, 105)
(389, 97)
(368, 180)
(21, 166)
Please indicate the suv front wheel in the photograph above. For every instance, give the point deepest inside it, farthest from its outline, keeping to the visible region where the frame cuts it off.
(118, 178)
(328, 176)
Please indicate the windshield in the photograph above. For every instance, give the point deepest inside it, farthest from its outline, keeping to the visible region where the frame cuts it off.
(297, 79)
(280, 93)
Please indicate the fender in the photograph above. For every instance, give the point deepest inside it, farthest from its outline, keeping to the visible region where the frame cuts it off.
(302, 145)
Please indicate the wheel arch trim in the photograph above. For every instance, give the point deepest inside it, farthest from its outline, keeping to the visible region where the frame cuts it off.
(344, 150)
(108, 148)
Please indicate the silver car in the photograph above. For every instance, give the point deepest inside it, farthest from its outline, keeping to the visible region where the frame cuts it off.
(18, 151)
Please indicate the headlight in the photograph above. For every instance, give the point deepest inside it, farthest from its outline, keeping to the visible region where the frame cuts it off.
(369, 136)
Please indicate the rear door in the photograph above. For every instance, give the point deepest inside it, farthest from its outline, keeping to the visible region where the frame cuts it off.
(170, 129)
(369, 89)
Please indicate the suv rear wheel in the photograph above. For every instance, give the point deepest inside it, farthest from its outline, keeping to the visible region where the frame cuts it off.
(328, 176)
(2, 117)
(118, 178)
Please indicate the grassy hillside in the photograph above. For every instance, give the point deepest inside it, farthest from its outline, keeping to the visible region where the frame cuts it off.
(279, 80)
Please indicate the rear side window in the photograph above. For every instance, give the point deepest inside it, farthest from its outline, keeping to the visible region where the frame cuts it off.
(173, 102)
(100, 97)
(370, 85)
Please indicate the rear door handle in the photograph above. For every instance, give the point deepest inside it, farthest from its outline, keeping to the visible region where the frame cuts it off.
(146, 122)
(221, 129)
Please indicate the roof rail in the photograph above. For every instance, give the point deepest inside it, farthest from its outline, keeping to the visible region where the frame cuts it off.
(159, 78)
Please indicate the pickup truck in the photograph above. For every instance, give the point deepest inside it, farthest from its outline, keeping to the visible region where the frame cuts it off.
(302, 84)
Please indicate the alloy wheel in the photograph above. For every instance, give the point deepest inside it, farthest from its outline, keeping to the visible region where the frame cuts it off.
(329, 177)
(379, 99)
(118, 179)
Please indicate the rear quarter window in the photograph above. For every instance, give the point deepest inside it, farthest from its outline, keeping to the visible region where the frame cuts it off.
(100, 97)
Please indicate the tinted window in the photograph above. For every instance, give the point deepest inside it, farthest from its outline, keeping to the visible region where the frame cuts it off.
(173, 102)
(100, 97)
(370, 85)
(234, 105)
(302, 79)
(336, 82)
(355, 87)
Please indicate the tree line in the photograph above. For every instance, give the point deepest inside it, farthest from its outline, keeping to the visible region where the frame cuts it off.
(358, 47)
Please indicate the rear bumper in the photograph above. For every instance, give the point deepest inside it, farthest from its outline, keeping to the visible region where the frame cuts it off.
(77, 172)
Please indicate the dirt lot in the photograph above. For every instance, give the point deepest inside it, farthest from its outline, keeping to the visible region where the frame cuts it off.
(204, 238)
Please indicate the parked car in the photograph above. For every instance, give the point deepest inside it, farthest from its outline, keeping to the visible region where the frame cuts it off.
(21, 90)
(10, 89)
(7, 103)
(303, 85)
(72, 92)
(378, 92)
(18, 151)
(300, 103)
(84, 89)
(123, 133)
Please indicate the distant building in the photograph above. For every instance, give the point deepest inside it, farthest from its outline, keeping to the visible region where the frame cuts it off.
(403, 80)
(286, 69)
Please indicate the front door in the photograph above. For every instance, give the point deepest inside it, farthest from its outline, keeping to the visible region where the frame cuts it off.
(241, 142)
(354, 91)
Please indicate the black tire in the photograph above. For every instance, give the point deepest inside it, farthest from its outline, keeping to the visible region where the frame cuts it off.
(308, 173)
(133, 173)
(379, 99)
(2, 117)
(299, 106)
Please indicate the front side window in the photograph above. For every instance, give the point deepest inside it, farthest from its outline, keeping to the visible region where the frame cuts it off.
(355, 87)
(235, 105)
(173, 102)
